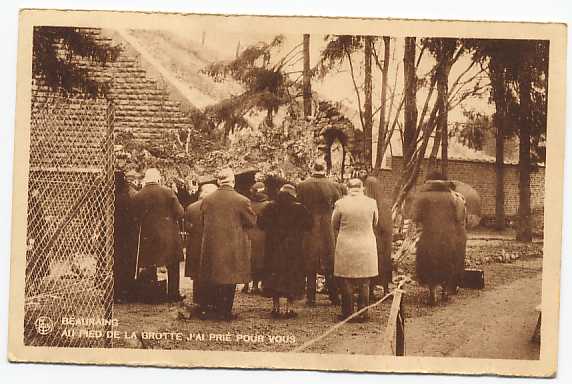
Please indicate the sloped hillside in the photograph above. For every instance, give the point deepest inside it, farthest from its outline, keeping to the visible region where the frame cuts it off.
(185, 58)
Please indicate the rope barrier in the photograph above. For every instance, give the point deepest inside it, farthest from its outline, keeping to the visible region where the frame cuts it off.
(347, 319)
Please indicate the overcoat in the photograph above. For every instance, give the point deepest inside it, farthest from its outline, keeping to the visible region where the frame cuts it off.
(125, 236)
(194, 227)
(184, 196)
(319, 195)
(157, 211)
(285, 222)
(384, 230)
(440, 253)
(354, 221)
(225, 252)
(258, 237)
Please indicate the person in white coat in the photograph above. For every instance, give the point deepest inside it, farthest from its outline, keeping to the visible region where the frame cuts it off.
(354, 221)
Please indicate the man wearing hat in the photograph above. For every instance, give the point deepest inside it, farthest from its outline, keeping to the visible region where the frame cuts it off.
(225, 253)
(157, 211)
(319, 195)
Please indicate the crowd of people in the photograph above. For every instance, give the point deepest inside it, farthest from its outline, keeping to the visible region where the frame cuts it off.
(275, 245)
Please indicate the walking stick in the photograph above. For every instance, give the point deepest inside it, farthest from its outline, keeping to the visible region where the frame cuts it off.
(137, 259)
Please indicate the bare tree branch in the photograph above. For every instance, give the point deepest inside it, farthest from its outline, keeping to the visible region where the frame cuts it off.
(460, 85)
(421, 51)
(477, 91)
(426, 105)
(349, 57)
(283, 59)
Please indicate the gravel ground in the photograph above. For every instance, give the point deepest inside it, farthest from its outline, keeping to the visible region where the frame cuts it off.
(255, 330)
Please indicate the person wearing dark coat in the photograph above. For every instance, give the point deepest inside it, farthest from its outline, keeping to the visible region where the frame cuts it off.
(285, 222)
(125, 240)
(272, 184)
(439, 213)
(225, 253)
(133, 179)
(259, 200)
(202, 291)
(383, 233)
(182, 193)
(319, 195)
(157, 212)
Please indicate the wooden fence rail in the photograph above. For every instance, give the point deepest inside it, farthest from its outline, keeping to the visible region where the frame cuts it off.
(393, 339)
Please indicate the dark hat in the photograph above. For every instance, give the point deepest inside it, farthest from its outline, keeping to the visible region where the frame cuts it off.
(319, 167)
(289, 189)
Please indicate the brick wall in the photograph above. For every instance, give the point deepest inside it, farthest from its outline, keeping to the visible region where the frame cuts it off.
(481, 176)
(142, 104)
(69, 131)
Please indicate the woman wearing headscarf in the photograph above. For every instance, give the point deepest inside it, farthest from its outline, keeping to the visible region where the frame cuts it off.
(285, 222)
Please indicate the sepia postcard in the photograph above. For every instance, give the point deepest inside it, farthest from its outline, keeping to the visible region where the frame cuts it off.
(309, 193)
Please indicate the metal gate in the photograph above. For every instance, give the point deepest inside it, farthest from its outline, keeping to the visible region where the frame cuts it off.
(69, 258)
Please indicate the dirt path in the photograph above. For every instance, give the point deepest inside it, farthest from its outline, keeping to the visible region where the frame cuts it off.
(497, 324)
(494, 323)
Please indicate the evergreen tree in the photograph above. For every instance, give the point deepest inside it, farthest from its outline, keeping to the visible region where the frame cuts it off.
(56, 56)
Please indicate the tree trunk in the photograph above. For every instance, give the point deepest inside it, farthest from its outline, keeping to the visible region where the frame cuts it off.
(524, 231)
(410, 112)
(498, 83)
(382, 130)
(367, 112)
(270, 117)
(442, 94)
(306, 84)
(409, 122)
(447, 48)
(500, 221)
(432, 161)
(410, 171)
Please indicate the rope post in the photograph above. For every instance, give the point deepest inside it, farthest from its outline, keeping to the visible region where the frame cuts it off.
(338, 325)
(393, 340)
(400, 331)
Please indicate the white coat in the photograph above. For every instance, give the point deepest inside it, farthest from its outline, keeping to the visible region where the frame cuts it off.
(354, 220)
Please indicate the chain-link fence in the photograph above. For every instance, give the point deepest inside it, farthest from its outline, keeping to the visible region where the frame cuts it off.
(69, 278)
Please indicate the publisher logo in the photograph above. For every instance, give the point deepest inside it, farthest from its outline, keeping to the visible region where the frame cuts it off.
(44, 325)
